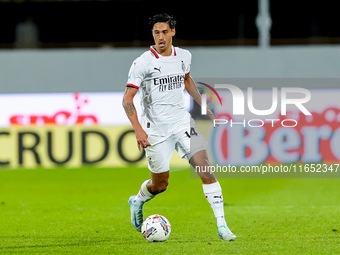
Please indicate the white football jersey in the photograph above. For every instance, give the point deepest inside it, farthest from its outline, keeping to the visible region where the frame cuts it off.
(161, 83)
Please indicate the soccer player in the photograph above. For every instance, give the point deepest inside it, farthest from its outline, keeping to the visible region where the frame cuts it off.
(161, 74)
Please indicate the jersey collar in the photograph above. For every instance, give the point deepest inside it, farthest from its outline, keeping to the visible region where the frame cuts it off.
(157, 55)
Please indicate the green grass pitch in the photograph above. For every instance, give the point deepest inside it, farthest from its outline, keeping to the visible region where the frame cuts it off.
(85, 211)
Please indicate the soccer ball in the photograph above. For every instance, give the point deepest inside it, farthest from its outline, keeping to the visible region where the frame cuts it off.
(156, 228)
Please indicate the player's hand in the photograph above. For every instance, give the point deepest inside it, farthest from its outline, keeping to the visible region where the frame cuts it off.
(142, 139)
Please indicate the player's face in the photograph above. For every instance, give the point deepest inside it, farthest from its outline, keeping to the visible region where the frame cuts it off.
(162, 34)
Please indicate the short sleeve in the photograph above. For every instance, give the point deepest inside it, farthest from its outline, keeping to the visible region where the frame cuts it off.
(136, 74)
(188, 63)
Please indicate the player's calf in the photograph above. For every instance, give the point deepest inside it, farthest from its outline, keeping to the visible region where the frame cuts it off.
(156, 188)
(158, 183)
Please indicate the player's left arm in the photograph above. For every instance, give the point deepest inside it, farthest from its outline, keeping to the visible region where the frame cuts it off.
(191, 88)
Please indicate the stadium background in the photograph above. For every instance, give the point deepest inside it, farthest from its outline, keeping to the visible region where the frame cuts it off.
(68, 156)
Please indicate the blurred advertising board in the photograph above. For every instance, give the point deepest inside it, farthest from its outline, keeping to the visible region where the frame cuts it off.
(65, 109)
(69, 129)
(74, 129)
(75, 146)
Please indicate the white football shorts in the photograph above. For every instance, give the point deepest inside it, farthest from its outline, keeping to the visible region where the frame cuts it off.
(185, 142)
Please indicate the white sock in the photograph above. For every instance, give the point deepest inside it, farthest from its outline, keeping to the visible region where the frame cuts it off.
(213, 193)
(143, 195)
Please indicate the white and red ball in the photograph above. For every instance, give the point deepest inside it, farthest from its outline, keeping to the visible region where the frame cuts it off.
(156, 228)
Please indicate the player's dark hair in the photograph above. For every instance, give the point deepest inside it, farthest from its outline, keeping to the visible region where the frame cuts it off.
(163, 18)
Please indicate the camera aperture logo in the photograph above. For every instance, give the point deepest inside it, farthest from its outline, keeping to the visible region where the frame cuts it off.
(204, 97)
(238, 104)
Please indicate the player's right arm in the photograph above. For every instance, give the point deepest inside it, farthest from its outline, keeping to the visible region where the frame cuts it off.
(136, 75)
(130, 110)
